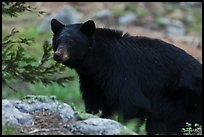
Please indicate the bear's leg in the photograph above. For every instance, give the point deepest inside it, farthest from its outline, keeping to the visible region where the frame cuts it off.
(165, 121)
(155, 126)
(133, 103)
(94, 98)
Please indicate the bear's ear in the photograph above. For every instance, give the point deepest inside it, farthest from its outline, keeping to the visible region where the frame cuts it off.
(56, 25)
(88, 27)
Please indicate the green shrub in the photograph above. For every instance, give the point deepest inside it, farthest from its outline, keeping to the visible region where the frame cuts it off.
(190, 129)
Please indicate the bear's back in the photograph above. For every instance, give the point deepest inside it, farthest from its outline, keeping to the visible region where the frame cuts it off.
(143, 59)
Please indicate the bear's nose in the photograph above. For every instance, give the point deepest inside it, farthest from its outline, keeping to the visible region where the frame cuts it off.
(57, 57)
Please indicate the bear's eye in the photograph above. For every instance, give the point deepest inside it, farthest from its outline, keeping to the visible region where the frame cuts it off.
(70, 41)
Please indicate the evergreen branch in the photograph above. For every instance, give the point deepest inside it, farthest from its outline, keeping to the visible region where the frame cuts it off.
(15, 61)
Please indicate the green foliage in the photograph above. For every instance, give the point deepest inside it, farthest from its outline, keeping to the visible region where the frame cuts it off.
(13, 8)
(136, 126)
(190, 129)
(126, 132)
(118, 11)
(32, 98)
(136, 8)
(196, 26)
(84, 116)
(130, 7)
(16, 63)
(133, 124)
(7, 130)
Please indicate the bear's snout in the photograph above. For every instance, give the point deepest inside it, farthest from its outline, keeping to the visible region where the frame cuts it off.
(61, 55)
(57, 57)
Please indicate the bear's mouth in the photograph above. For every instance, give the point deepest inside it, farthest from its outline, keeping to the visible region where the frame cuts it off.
(65, 58)
(61, 58)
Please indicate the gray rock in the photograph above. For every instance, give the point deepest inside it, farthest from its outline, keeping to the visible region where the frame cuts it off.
(175, 27)
(66, 112)
(36, 103)
(16, 112)
(68, 15)
(12, 116)
(103, 14)
(172, 27)
(151, 25)
(126, 19)
(189, 19)
(191, 4)
(98, 126)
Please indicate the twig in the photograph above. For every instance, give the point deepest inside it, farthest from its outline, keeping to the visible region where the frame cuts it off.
(43, 130)
(10, 87)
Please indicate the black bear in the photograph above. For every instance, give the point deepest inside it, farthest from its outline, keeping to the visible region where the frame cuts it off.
(136, 76)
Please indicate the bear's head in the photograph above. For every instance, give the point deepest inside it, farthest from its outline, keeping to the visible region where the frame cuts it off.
(71, 42)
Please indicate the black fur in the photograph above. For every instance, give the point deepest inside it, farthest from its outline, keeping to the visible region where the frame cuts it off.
(136, 76)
